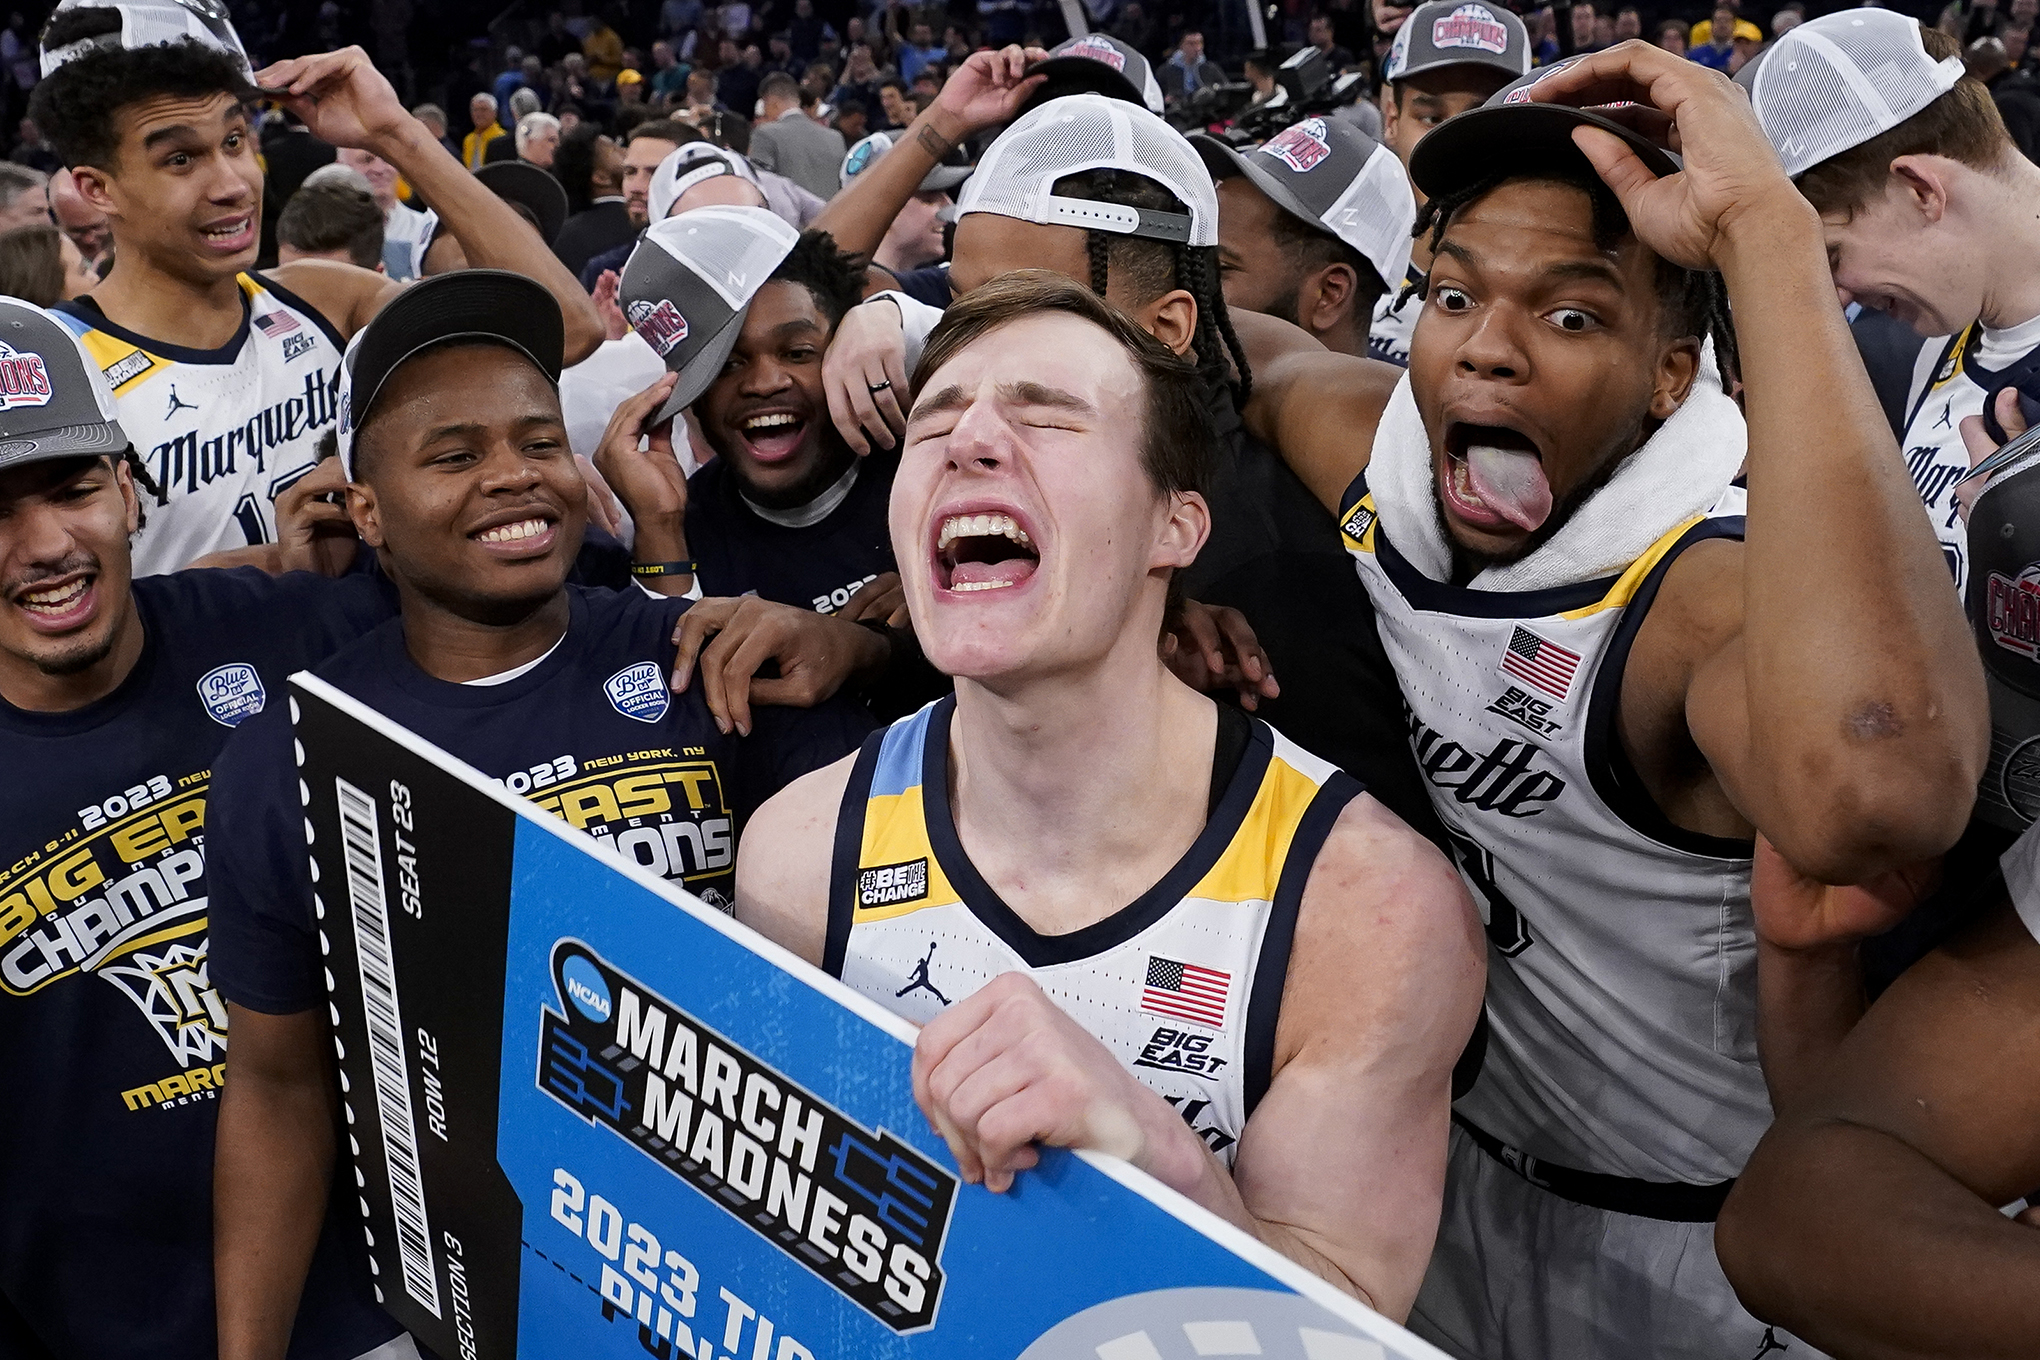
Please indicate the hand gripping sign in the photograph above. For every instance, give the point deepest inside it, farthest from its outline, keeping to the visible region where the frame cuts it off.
(591, 1117)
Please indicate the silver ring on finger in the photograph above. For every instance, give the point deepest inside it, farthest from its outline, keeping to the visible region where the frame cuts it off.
(877, 387)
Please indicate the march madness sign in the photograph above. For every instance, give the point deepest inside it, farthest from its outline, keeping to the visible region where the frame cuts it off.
(591, 1117)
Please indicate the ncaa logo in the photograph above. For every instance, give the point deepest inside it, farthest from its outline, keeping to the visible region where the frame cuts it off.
(232, 693)
(582, 981)
(1097, 49)
(638, 692)
(1471, 26)
(659, 323)
(23, 379)
(2011, 610)
(1301, 147)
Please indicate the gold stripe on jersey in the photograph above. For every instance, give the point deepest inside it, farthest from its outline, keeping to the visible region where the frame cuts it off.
(896, 832)
(1250, 866)
(123, 364)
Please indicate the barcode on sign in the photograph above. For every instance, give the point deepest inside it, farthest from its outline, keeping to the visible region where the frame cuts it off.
(361, 845)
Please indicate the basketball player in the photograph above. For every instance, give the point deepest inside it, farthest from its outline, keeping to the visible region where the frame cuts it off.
(115, 697)
(1614, 680)
(1449, 56)
(1261, 977)
(226, 379)
(462, 481)
(1926, 204)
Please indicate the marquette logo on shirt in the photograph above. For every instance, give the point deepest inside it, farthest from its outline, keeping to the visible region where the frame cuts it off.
(862, 1210)
(638, 692)
(231, 693)
(2011, 610)
(888, 885)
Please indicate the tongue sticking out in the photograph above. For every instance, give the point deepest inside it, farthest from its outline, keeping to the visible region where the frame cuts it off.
(991, 575)
(1511, 482)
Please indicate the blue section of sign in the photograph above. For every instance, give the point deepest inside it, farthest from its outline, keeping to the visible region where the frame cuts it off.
(626, 1255)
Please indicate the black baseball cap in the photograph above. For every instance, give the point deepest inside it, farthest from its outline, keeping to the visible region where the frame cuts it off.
(534, 189)
(489, 305)
(1096, 63)
(1512, 132)
(54, 401)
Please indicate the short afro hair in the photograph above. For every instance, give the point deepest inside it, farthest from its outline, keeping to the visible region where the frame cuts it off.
(79, 103)
(835, 278)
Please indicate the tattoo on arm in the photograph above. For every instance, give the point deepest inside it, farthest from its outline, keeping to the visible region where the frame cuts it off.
(934, 143)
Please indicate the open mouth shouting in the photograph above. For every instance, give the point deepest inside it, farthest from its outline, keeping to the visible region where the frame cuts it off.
(60, 605)
(1493, 478)
(983, 551)
(231, 235)
(772, 436)
(520, 535)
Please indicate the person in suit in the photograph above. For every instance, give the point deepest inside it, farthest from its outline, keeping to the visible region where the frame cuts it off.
(590, 167)
(1187, 71)
(788, 142)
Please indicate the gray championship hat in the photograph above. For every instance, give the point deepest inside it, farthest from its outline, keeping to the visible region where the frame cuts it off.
(866, 151)
(686, 288)
(1458, 33)
(1096, 64)
(146, 23)
(1331, 175)
(54, 401)
(2004, 611)
(491, 306)
(1083, 132)
(1511, 132)
(688, 166)
(1835, 82)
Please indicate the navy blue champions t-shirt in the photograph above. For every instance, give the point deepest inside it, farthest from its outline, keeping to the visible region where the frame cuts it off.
(590, 734)
(819, 566)
(116, 1039)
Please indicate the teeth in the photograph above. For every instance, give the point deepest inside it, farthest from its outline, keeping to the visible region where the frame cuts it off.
(55, 598)
(511, 533)
(771, 422)
(982, 526)
(980, 585)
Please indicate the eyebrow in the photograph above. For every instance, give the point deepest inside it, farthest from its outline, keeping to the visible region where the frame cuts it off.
(1591, 270)
(175, 132)
(954, 398)
(473, 427)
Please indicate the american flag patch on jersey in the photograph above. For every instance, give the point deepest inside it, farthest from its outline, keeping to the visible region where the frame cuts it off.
(1540, 663)
(273, 324)
(1183, 991)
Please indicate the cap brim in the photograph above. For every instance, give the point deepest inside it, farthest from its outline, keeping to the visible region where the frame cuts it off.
(1222, 159)
(486, 305)
(1506, 70)
(944, 178)
(99, 440)
(701, 370)
(536, 189)
(1519, 139)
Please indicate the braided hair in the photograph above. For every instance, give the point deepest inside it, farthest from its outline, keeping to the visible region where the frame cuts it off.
(1691, 301)
(1149, 268)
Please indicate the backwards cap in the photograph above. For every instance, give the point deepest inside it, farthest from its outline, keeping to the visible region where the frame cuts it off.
(1457, 33)
(54, 401)
(491, 305)
(1835, 82)
(1083, 132)
(146, 23)
(1331, 175)
(686, 287)
(687, 167)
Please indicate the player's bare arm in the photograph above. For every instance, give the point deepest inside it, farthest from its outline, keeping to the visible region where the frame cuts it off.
(344, 100)
(1343, 1162)
(273, 1164)
(1867, 1221)
(783, 861)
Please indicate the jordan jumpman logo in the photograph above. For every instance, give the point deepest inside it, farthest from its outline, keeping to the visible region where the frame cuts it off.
(1770, 1343)
(918, 981)
(178, 403)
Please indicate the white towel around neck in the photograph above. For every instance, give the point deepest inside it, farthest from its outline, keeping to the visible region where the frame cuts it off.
(1681, 471)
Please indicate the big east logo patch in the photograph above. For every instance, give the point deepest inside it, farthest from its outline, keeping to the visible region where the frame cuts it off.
(659, 323)
(2012, 611)
(1471, 26)
(1302, 147)
(23, 379)
(1097, 49)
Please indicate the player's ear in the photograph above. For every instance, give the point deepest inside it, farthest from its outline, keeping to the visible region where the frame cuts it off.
(1172, 319)
(1924, 183)
(124, 478)
(1678, 366)
(95, 187)
(1330, 295)
(366, 514)
(1183, 531)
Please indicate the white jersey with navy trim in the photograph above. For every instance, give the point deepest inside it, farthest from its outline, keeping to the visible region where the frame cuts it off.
(1395, 319)
(1183, 985)
(222, 431)
(1953, 379)
(1622, 950)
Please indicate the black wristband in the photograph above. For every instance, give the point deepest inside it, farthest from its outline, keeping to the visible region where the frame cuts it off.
(655, 569)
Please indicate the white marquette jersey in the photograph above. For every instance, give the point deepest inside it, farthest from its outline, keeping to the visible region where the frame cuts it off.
(1622, 959)
(1183, 985)
(1953, 380)
(222, 431)
(1395, 320)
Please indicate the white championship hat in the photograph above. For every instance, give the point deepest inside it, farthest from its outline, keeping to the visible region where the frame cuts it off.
(687, 167)
(145, 23)
(1083, 132)
(1837, 81)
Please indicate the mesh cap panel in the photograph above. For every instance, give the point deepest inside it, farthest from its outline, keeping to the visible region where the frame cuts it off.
(1376, 214)
(1837, 81)
(145, 23)
(732, 250)
(1091, 132)
(688, 166)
